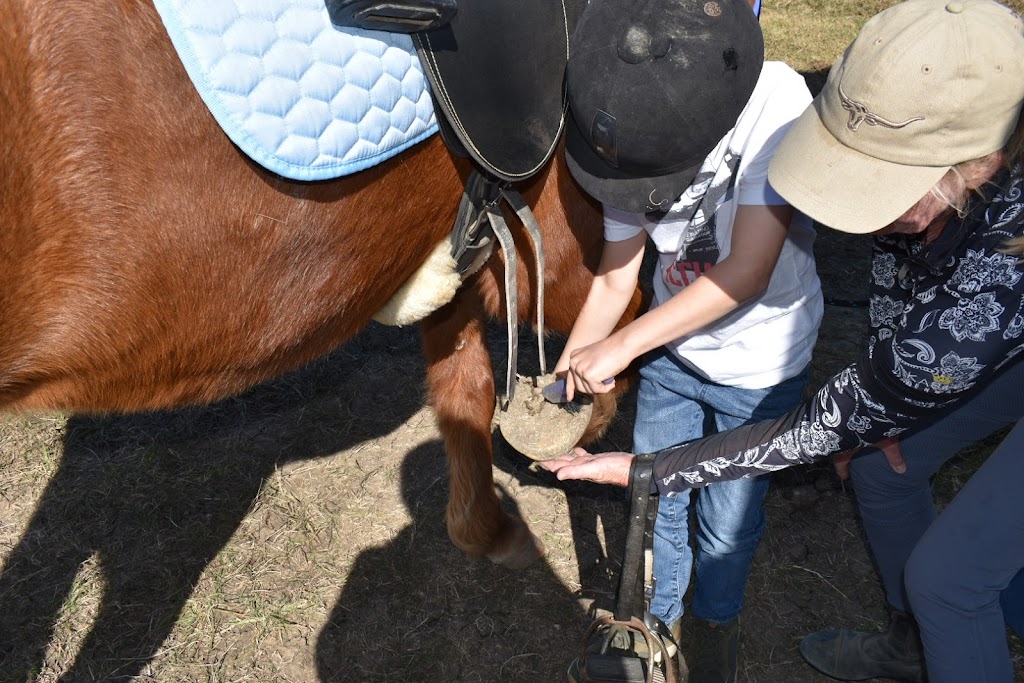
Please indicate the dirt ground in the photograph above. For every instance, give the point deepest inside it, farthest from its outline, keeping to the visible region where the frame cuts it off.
(297, 534)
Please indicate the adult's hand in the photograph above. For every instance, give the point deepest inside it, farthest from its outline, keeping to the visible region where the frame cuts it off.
(890, 448)
(601, 468)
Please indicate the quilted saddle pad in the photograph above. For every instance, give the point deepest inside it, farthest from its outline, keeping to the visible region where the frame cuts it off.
(303, 98)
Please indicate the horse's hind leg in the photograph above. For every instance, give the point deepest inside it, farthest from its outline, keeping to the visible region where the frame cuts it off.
(461, 386)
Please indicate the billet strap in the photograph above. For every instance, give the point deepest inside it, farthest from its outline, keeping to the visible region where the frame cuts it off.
(643, 508)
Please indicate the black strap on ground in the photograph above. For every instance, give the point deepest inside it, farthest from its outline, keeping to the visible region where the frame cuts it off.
(643, 507)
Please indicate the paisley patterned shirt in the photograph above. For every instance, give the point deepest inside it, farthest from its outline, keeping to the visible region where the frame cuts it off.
(945, 317)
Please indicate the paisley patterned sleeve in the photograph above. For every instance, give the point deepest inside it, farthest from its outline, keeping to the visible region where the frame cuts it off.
(847, 412)
(932, 345)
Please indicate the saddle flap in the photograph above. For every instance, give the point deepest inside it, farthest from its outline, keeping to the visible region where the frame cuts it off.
(497, 73)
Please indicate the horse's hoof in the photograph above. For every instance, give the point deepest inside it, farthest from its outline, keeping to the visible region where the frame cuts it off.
(527, 550)
(538, 429)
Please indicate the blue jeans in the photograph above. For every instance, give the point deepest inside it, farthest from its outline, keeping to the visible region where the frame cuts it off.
(959, 572)
(675, 405)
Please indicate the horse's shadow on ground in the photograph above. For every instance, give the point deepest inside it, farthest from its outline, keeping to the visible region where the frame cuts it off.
(152, 499)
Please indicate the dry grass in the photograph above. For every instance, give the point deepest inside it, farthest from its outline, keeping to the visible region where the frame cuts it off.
(809, 34)
(296, 534)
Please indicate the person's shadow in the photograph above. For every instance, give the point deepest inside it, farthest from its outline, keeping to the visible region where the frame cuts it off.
(415, 609)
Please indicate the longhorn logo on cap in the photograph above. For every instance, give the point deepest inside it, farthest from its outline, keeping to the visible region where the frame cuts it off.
(859, 113)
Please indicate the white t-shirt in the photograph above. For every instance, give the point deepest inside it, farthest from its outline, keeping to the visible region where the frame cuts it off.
(769, 338)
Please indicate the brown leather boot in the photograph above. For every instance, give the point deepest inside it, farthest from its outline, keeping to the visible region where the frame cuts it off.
(858, 656)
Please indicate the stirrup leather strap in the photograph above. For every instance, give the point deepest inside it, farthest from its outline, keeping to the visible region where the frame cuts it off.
(636, 587)
(481, 199)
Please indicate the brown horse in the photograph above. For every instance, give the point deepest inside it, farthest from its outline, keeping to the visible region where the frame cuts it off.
(146, 263)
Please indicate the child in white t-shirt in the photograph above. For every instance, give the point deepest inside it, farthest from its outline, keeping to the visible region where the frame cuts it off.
(737, 304)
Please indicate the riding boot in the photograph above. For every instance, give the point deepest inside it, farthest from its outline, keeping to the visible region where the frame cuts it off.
(858, 656)
(715, 651)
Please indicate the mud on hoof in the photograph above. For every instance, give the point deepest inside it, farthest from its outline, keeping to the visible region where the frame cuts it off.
(538, 429)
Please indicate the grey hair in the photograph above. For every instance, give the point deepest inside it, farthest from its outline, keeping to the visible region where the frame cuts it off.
(960, 181)
(971, 176)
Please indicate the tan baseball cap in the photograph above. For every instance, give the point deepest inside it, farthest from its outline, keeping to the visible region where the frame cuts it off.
(926, 85)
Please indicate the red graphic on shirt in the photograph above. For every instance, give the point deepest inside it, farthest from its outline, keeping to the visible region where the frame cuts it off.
(683, 273)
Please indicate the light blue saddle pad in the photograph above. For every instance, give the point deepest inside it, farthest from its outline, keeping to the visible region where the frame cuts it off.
(305, 99)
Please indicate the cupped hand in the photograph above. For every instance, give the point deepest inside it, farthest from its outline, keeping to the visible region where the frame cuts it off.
(600, 468)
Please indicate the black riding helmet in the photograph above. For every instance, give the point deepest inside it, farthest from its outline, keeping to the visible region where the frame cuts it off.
(653, 85)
